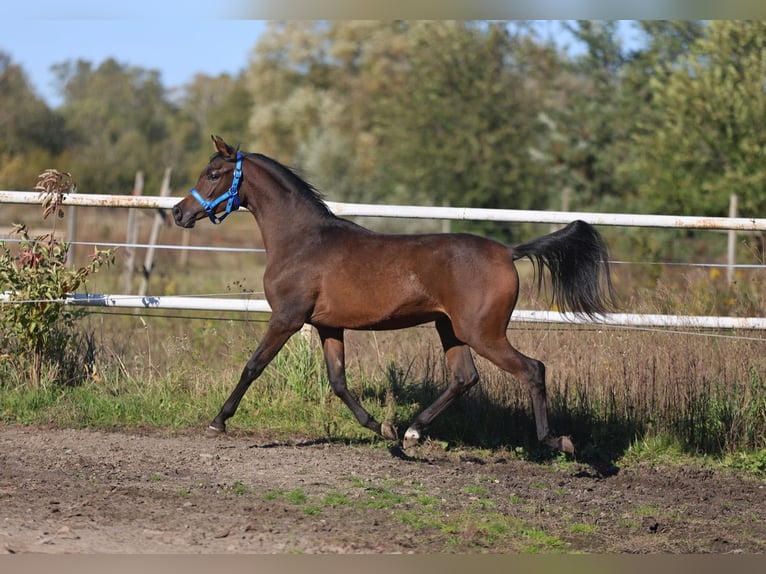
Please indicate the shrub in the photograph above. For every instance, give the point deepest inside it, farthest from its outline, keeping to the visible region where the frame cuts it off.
(39, 339)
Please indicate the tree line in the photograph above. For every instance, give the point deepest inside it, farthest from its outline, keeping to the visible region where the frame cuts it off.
(475, 114)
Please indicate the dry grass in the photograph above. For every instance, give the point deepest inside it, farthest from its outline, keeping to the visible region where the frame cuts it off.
(608, 387)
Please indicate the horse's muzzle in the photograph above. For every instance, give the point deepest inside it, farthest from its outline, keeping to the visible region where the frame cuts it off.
(182, 219)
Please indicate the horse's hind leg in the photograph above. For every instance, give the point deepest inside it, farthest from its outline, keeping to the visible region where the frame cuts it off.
(463, 376)
(334, 354)
(531, 373)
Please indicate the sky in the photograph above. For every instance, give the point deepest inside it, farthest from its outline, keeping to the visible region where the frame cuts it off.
(181, 38)
(178, 50)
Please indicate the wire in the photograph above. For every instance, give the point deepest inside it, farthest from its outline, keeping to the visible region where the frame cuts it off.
(174, 316)
(147, 245)
(683, 264)
(690, 333)
(261, 250)
(755, 266)
(511, 326)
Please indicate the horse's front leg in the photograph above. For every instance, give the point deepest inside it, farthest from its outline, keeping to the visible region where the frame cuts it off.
(334, 354)
(277, 334)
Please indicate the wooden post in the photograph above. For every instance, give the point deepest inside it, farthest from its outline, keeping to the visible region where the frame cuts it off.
(446, 223)
(132, 236)
(159, 221)
(731, 247)
(566, 193)
(70, 234)
(183, 259)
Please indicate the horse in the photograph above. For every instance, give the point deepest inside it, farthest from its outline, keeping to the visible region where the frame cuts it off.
(335, 275)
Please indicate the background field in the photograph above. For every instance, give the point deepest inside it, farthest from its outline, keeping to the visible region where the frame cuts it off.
(612, 389)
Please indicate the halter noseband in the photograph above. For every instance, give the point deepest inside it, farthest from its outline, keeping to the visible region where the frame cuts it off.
(231, 196)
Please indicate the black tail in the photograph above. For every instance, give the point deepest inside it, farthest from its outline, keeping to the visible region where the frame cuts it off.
(578, 261)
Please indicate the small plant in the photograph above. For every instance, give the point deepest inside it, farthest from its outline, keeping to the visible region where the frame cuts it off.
(239, 488)
(296, 496)
(334, 499)
(37, 328)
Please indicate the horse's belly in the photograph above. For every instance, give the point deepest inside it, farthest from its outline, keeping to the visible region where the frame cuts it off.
(374, 324)
(371, 312)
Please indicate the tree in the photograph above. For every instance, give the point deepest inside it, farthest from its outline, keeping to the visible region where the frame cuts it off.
(705, 137)
(119, 119)
(210, 105)
(588, 127)
(311, 84)
(417, 112)
(462, 126)
(30, 133)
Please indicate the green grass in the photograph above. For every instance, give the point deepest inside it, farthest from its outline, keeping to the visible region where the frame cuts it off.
(335, 499)
(645, 396)
(580, 528)
(239, 488)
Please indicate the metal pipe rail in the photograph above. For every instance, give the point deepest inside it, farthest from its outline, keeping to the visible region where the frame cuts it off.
(519, 315)
(424, 212)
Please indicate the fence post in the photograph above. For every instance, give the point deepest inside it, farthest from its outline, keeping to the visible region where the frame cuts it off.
(183, 259)
(131, 237)
(731, 246)
(70, 234)
(159, 221)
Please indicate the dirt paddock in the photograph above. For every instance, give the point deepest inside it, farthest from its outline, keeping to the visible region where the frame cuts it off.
(147, 492)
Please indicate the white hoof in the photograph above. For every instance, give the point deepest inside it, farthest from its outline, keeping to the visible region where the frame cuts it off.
(411, 438)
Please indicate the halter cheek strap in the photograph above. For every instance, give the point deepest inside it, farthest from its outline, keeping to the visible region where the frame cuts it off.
(231, 197)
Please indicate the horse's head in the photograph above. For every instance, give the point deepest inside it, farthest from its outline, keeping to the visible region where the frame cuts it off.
(217, 188)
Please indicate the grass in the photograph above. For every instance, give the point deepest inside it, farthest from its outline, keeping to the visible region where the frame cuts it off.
(617, 392)
(684, 399)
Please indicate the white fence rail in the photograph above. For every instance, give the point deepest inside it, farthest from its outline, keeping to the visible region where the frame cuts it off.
(423, 212)
(406, 211)
(519, 315)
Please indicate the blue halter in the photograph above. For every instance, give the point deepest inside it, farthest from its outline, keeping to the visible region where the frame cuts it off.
(231, 196)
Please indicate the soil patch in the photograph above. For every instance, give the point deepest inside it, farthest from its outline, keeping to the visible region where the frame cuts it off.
(84, 491)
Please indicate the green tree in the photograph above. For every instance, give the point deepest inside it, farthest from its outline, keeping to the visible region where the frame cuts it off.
(705, 136)
(209, 105)
(311, 84)
(30, 133)
(416, 112)
(119, 118)
(589, 125)
(463, 122)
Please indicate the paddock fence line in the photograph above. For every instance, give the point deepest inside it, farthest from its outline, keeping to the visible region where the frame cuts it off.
(181, 302)
(423, 212)
(428, 212)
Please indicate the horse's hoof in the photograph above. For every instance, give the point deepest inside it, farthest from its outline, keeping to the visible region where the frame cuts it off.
(562, 443)
(213, 432)
(411, 439)
(566, 445)
(388, 431)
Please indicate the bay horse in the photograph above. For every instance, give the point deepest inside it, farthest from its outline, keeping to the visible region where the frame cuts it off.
(335, 275)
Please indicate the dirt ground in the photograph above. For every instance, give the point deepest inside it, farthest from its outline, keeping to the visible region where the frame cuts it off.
(84, 491)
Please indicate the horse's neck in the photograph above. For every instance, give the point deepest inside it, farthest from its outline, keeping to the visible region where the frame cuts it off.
(286, 216)
(286, 221)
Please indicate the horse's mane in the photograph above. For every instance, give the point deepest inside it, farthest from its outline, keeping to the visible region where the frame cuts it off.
(291, 180)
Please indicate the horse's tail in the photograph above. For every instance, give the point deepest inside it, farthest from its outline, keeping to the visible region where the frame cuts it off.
(578, 260)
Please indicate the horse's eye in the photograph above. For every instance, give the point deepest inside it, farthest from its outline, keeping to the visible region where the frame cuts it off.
(214, 176)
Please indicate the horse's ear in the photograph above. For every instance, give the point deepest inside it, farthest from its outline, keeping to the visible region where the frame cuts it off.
(222, 147)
